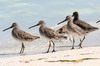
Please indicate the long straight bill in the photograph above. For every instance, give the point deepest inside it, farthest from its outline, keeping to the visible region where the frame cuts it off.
(61, 22)
(7, 29)
(98, 21)
(33, 26)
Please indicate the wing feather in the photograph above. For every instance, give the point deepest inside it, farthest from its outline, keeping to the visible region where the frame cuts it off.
(85, 26)
(24, 36)
(47, 32)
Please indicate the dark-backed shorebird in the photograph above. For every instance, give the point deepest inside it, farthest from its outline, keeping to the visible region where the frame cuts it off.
(73, 29)
(98, 21)
(49, 33)
(84, 25)
(21, 36)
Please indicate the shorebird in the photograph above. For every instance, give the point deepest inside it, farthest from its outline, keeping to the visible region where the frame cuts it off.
(21, 36)
(73, 29)
(63, 30)
(98, 21)
(82, 24)
(48, 33)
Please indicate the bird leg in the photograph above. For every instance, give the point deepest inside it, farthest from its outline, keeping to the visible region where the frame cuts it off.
(70, 39)
(73, 43)
(53, 46)
(81, 41)
(49, 46)
(22, 49)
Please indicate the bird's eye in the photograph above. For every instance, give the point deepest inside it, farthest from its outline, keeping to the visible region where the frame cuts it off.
(65, 37)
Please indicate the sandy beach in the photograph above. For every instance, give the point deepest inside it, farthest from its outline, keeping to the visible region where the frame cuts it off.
(89, 56)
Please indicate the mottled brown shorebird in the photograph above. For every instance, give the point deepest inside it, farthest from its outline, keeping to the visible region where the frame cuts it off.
(21, 36)
(73, 29)
(98, 21)
(49, 33)
(63, 30)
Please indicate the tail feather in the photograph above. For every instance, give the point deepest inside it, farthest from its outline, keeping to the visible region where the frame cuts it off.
(35, 37)
(58, 36)
(92, 29)
(96, 28)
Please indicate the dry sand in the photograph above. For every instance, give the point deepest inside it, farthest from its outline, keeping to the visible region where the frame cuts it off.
(89, 56)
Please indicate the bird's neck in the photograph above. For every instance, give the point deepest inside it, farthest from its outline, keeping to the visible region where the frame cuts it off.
(70, 21)
(76, 18)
